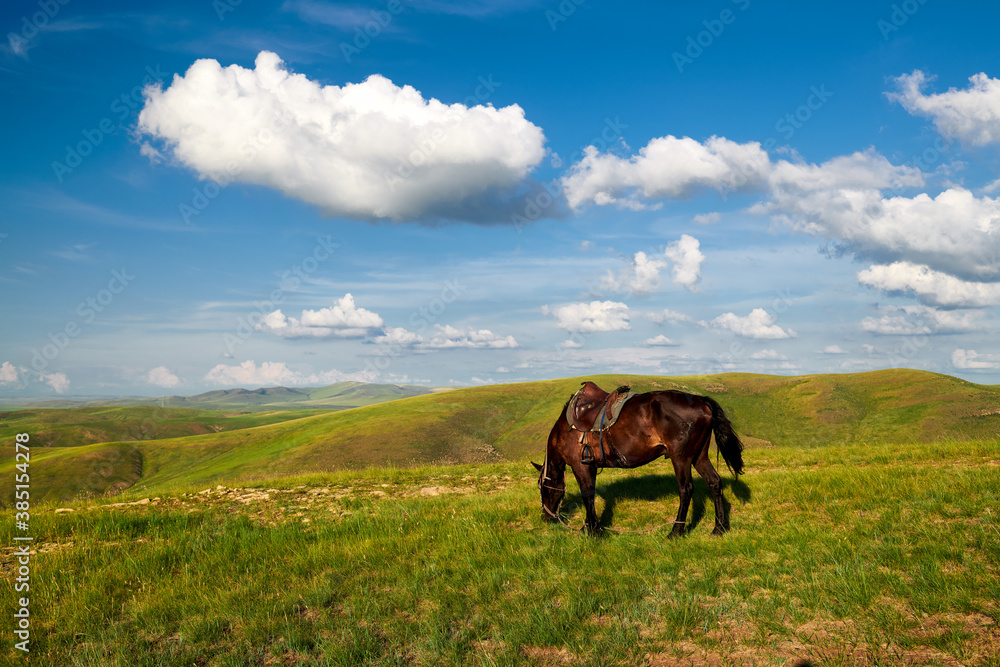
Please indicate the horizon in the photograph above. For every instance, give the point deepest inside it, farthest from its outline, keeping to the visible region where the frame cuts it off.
(223, 195)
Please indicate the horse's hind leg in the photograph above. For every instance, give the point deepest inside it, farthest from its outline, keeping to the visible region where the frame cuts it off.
(711, 477)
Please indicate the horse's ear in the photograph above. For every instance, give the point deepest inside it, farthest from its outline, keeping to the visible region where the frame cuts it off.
(537, 467)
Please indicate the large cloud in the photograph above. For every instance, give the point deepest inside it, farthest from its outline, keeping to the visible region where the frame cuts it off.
(666, 167)
(366, 150)
(972, 115)
(930, 286)
(921, 320)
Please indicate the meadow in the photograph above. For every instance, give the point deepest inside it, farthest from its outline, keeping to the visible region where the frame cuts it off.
(866, 535)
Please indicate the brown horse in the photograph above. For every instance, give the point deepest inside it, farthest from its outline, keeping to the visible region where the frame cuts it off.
(673, 424)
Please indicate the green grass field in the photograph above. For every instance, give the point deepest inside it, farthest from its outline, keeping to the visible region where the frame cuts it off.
(844, 555)
(865, 532)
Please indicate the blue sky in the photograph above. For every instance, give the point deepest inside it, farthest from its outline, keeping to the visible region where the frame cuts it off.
(222, 194)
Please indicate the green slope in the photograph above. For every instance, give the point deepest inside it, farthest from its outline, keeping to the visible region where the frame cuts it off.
(333, 397)
(511, 421)
(71, 427)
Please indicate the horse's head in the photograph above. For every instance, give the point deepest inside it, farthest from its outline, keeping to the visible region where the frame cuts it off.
(551, 486)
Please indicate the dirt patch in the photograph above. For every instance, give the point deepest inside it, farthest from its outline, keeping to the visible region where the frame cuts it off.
(545, 656)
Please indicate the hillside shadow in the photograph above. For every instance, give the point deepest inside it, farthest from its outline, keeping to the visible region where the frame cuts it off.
(661, 487)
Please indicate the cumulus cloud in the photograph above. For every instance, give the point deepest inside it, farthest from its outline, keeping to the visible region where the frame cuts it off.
(161, 376)
(641, 278)
(667, 315)
(446, 337)
(971, 115)
(686, 258)
(276, 373)
(58, 381)
(972, 360)
(768, 355)
(921, 320)
(8, 373)
(930, 286)
(666, 167)
(591, 317)
(660, 341)
(759, 324)
(344, 319)
(365, 150)
(833, 349)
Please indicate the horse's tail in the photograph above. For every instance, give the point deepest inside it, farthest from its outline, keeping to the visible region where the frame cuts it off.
(726, 440)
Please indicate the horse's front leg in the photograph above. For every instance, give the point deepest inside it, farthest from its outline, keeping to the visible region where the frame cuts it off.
(586, 477)
(685, 487)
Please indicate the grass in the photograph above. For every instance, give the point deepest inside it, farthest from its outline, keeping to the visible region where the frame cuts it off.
(850, 554)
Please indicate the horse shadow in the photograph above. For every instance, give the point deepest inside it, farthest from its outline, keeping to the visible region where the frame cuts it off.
(657, 487)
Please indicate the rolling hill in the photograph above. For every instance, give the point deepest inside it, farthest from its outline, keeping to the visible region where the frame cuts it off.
(510, 422)
(338, 396)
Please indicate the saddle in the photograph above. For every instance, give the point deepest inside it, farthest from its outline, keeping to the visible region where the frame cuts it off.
(593, 410)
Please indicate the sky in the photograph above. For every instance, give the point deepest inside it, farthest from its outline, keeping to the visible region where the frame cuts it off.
(247, 193)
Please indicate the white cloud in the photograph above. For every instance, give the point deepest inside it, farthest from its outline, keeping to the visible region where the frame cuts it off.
(759, 324)
(667, 315)
(770, 355)
(706, 218)
(687, 259)
(446, 337)
(843, 198)
(8, 373)
(921, 320)
(667, 167)
(570, 344)
(161, 376)
(930, 286)
(365, 150)
(660, 341)
(593, 316)
(58, 381)
(344, 319)
(276, 373)
(971, 360)
(972, 115)
(834, 349)
(641, 278)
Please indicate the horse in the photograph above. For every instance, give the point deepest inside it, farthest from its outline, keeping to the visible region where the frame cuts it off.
(674, 424)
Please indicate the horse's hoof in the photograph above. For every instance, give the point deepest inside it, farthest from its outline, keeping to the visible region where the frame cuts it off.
(592, 531)
(720, 530)
(675, 533)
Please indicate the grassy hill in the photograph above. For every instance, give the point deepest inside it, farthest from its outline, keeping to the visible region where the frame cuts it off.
(332, 397)
(72, 427)
(510, 422)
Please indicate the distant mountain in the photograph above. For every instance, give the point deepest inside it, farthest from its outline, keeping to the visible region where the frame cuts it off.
(338, 396)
